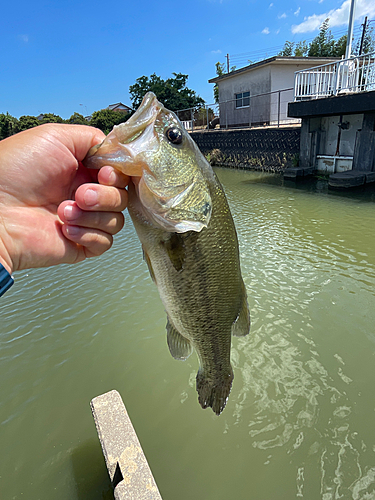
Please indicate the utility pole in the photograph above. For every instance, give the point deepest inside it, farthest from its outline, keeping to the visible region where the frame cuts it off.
(350, 30)
(363, 36)
(227, 63)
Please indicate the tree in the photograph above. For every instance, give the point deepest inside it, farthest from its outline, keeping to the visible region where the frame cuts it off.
(340, 46)
(368, 44)
(368, 40)
(287, 49)
(301, 49)
(8, 125)
(77, 119)
(50, 118)
(106, 119)
(172, 92)
(219, 71)
(26, 121)
(324, 44)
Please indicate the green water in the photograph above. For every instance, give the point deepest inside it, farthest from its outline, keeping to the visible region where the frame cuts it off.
(300, 419)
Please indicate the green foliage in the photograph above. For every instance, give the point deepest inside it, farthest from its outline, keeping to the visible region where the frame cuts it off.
(215, 157)
(324, 45)
(50, 118)
(77, 119)
(25, 122)
(172, 92)
(201, 115)
(106, 119)
(287, 49)
(8, 125)
(368, 42)
(219, 72)
(340, 46)
(301, 49)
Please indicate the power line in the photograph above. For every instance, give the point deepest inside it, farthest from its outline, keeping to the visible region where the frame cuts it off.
(246, 57)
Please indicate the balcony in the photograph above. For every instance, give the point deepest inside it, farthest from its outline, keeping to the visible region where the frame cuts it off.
(347, 76)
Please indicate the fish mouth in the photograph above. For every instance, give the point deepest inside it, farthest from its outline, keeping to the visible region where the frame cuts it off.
(174, 205)
(145, 115)
(120, 148)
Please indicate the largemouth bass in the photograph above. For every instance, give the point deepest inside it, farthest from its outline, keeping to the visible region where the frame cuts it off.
(189, 240)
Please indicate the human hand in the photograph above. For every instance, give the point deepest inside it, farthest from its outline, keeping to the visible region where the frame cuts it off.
(52, 209)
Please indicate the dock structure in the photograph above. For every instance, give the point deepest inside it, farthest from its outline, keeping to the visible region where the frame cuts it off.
(350, 178)
(338, 130)
(127, 466)
(294, 173)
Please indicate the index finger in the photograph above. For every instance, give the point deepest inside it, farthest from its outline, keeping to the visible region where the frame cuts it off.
(100, 198)
(109, 176)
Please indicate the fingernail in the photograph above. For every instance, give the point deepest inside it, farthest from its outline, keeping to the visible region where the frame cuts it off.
(112, 178)
(90, 197)
(72, 230)
(71, 212)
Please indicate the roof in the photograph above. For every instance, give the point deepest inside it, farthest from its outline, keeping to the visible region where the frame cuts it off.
(312, 61)
(118, 105)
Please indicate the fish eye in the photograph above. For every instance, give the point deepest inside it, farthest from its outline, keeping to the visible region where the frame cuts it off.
(174, 135)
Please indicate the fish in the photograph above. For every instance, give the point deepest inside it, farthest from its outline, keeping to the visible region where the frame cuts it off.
(189, 241)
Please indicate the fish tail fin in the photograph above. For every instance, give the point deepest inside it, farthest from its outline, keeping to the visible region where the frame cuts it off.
(214, 391)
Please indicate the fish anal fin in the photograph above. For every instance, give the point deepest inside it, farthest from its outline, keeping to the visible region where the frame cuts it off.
(179, 346)
(241, 326)
(149, 265)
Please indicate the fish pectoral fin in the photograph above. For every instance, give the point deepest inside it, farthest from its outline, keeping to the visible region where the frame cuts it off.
(179, 347)
(175, 248)
(241, 326)
(149, 265)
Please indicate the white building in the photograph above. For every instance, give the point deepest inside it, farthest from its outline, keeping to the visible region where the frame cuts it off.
(259, 94)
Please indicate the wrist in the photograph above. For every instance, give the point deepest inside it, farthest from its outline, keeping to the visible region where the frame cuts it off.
(6, 280)
(5, 259)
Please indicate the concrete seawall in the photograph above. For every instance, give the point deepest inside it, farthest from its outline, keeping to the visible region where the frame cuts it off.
(127, 466)
(271, 149)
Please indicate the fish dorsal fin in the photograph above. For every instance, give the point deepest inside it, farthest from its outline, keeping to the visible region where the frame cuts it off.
(241, 326)
(179, 347)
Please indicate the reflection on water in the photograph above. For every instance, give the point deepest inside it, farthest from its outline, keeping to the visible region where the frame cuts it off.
(299, 421)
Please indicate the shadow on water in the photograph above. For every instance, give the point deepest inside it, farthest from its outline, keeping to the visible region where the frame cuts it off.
(90, 473)
(364, 193)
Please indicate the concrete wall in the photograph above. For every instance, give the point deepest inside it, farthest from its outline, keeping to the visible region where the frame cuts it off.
(333, 138)
(258, 83)
(320, 132)
(259, 149)
(282, 77)
(327, 149)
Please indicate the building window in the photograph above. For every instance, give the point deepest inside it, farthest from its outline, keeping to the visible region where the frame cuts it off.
(243, 100)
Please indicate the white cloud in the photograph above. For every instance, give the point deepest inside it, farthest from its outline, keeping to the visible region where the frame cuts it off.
(337, 17)
(24, 38)
(266, 31)
(216, 51)
(282, 16)
(298, 11)
(270, 6)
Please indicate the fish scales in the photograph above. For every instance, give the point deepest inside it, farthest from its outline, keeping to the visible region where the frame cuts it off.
(189, 241)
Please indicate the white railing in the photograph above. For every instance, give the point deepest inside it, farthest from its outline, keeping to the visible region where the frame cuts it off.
(356, 74)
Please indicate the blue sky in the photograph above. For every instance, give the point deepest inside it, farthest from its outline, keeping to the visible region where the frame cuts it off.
(66, 56)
